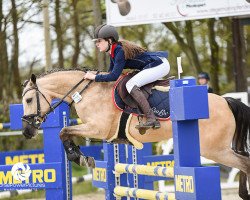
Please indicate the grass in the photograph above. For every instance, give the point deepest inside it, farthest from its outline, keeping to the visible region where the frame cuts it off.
(32, 195)
(79, 188)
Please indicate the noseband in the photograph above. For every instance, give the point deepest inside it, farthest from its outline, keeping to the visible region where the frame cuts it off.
(37, 119)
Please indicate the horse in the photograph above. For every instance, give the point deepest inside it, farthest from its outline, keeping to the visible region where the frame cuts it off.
(224, 137)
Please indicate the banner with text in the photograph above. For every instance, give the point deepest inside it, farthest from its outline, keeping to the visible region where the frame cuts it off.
(133, 12)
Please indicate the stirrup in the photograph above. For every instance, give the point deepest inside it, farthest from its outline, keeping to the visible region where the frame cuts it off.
(155, 125)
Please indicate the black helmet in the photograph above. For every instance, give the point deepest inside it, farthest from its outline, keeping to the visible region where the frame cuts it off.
(204, 75)
(106, 31)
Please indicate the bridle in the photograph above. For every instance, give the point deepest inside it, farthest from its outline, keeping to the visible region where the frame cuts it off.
(37, 119)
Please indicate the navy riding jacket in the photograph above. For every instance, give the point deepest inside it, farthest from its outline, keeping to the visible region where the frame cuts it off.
(118, 63)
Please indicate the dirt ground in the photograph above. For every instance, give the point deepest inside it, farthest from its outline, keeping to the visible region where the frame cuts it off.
(226, 195)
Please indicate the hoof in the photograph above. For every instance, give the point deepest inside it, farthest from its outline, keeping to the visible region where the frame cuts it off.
(91, 162)
(86, 161)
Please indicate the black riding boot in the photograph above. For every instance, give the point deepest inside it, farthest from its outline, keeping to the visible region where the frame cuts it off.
(140, 98)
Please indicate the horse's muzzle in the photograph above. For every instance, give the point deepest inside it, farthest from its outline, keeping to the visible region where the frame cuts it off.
(29, 131)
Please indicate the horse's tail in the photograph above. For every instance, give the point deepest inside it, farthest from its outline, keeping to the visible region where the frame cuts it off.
(241, 112)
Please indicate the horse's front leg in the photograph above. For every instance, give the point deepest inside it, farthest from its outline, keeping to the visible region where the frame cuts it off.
(73, 151)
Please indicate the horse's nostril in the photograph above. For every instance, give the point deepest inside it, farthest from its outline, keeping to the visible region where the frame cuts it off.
(28, 132)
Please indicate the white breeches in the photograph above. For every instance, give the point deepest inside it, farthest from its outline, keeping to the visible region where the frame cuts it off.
(149, 75)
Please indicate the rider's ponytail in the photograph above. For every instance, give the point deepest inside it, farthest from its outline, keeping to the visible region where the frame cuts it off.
(131, 50)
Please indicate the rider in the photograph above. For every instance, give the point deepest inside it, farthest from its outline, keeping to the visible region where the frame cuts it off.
(203, 79)
(124, 54)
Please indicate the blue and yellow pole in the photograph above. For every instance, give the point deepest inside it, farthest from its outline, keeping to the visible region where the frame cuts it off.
(4, 126)
(145, 170)
(142, 193)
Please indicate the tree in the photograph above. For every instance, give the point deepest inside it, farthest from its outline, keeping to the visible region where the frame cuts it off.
(15, 51)
(214, 49)
(198, 40)
(239, 50)
(186, 42)
(3, 53)
(76, 34)
(59, 34)
(229, 49)
(97, 14)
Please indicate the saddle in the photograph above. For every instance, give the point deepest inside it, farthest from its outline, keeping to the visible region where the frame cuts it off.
(146, 89)
(158, 98)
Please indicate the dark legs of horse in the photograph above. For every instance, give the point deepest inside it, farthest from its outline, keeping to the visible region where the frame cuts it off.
(244, 177)
(74, 154)
(243, 193)
(140, 98)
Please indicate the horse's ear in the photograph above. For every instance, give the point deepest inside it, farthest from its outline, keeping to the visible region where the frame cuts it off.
(25, 83)
(33, 78)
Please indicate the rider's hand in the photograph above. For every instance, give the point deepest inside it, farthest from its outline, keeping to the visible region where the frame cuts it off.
(89, 76)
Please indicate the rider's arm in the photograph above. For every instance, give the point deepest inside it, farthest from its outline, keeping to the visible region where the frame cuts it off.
(113, 75)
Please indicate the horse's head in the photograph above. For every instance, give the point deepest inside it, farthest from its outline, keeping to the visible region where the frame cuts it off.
(35, 106)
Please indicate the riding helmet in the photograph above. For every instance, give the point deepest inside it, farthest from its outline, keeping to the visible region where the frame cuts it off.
(105, 31)
(203, 75)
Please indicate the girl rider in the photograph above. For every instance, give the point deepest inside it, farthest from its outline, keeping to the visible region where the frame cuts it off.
(124, 54)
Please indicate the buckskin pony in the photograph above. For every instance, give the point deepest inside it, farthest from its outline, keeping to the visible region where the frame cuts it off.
(224, 137)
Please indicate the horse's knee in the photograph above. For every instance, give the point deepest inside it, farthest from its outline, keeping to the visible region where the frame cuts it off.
(64, 134)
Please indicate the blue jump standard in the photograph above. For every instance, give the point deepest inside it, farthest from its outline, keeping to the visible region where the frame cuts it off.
(54, 174)
(188, 103)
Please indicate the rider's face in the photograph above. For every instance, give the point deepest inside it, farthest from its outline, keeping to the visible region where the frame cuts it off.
(102, 45)
(202, 81)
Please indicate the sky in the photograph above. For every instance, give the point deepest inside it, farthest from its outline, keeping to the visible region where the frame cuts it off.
(31, 37)
(31, 44)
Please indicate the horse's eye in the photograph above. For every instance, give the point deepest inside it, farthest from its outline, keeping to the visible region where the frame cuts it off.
(29, 100)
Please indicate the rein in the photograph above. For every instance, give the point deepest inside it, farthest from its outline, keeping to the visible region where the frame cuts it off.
(38, 118)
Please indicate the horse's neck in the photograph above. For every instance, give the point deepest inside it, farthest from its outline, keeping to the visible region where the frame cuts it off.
(56, 85)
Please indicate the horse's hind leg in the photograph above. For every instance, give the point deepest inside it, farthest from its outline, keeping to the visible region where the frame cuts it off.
(244, 178)
(229, 158)
(243, 193)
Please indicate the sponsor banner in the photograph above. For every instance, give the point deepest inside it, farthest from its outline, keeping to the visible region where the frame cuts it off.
(37, 156)
(30, 176)
(133, 12)
(24, 156)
